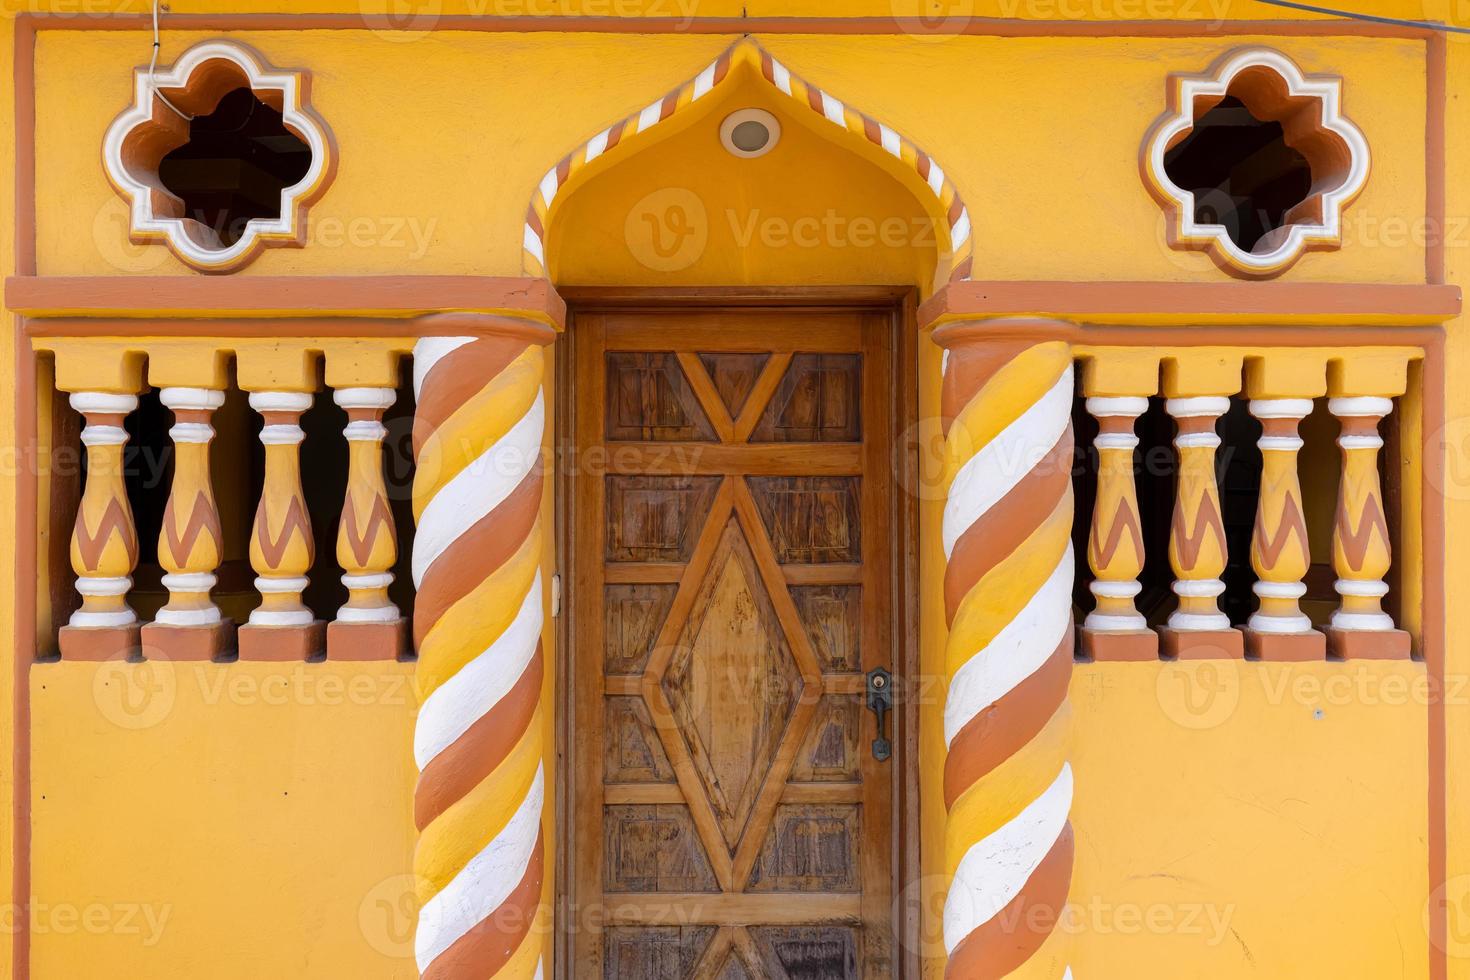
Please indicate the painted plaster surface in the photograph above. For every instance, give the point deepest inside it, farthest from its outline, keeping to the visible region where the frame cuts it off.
(1014, 153)
(1231, 819)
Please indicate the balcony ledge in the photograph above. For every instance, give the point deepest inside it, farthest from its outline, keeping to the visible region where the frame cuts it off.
(280, 297)
(1185, 304)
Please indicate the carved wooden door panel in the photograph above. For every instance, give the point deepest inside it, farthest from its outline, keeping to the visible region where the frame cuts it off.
(732, 588)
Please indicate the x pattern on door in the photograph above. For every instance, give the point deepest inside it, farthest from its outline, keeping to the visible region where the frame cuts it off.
(733, 630)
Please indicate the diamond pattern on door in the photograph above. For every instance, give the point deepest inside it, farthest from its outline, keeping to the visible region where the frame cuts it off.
(726, 607)
(733, 684)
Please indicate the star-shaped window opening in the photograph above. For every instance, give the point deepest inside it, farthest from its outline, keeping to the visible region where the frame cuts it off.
(1242, 171)
(219, 156)
(237, 160)
(1255, 162)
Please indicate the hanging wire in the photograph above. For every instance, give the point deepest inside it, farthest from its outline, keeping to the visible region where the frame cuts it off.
(1371, 18)
(153, 67)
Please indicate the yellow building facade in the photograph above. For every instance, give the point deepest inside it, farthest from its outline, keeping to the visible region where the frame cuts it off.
(817, 491)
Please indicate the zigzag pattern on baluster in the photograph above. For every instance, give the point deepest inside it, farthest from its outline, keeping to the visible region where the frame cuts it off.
(1008, 594)
(476, 563)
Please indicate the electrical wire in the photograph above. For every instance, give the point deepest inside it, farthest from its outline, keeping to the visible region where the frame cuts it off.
(1371, 18)
(153, 67)
(1288, 4)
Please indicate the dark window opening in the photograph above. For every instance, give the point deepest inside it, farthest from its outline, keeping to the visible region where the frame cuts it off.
(1242, 172)
(236, 163)
(1084, 498)
(1238, 466)
(148, 473)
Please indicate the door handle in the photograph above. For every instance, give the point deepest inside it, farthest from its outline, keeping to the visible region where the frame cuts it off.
(880, 703)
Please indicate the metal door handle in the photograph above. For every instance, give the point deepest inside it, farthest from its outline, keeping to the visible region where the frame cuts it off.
(880, 702)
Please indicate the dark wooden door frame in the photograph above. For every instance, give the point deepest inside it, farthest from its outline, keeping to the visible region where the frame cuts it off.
(902, 304)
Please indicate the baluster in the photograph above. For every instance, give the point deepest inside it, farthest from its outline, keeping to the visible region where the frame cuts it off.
(369, 626)
(1361, 552)
(1198, 553)
(282, 549)
(1280, 552)
(104, 542)
(1115, 630)
(189, 626)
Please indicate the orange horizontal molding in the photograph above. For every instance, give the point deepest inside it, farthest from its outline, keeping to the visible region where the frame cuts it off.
(253, 297)
(1182, 304)
(651, 23)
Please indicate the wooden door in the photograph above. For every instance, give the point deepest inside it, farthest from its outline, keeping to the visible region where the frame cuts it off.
(733, 585)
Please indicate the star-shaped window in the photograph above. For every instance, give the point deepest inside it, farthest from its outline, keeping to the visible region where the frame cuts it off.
(218, 156)
(1255, 163)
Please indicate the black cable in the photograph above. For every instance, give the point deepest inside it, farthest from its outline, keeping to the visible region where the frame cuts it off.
(1371, 18)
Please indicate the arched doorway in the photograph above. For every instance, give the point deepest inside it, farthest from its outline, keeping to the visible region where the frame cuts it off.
(737, 376)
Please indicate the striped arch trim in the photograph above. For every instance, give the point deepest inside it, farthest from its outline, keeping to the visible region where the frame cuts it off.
(1006, 531)
(829, 107)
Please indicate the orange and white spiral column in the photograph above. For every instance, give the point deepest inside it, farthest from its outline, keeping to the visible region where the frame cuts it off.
(1008, 595)
(480, 858)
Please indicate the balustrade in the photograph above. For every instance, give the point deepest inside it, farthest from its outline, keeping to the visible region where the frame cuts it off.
(1281, 388)
(279, 379)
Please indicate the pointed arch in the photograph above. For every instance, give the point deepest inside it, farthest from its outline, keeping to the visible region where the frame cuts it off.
(944, 199)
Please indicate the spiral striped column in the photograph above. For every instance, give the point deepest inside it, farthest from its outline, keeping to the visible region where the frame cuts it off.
(481, 854)
(1008, 600)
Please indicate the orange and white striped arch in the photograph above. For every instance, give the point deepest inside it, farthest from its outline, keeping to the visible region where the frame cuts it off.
(848, 122)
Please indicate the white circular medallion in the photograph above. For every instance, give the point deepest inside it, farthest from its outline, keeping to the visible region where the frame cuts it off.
(750, 132)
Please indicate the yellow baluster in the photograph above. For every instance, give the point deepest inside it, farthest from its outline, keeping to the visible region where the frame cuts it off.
(1280, 552)
(1115, 630)
(1197, 629)
(189, 626)
(369, 626)
(282, 549)
(1361, 552)
(104, 542)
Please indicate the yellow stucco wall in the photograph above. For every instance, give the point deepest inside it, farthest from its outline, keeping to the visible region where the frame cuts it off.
(525, 110)
(253, 820)
(1231, 821)
(228, 820)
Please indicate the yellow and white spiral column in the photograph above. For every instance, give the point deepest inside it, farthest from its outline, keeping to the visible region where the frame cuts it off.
(1008, 595)
(480, 859)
